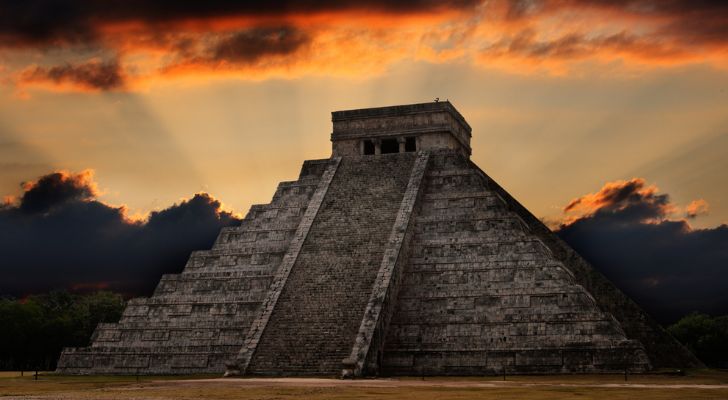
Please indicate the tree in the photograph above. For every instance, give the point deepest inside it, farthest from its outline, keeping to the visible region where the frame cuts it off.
(35, 329)
(705, 336)
(20, 324)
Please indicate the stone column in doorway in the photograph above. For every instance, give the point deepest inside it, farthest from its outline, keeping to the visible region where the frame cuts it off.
(401, 142)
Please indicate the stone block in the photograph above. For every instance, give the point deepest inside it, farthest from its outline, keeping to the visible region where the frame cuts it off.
(551, 358)
(131, 361)
(189, 361)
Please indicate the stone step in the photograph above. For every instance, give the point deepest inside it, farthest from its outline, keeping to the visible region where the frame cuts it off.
(264, 269)
(450, 172)
(237, 273)
(411, 315)
(474, 254)
(198, 285)
(219, 321)
(463, 214)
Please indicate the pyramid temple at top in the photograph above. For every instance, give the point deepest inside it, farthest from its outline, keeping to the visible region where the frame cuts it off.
(396, 256)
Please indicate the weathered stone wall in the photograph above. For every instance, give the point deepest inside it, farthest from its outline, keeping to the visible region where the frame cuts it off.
(436, 125)
(481, 293)
(425, 141)
(662, 349)
(317, 316)
(196, 321)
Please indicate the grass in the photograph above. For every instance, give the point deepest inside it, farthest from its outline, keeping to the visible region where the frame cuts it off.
(611, 387)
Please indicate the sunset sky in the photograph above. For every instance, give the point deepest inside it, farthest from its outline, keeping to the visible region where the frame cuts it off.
(154, 103)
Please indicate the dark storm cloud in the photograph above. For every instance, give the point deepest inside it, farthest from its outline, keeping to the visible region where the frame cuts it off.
(55, 189)
(572, 45)
(242, 47)
(59, 235)
(522, 8)
(250, 45)
(692, 22)
(36, 22)
(93, 75)
(668, 267)
(663, 42)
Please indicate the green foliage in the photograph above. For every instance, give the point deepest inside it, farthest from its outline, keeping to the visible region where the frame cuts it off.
(705, 336)
(34, 330)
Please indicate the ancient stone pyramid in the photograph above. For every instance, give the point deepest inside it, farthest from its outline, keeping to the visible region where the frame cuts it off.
(397, 255)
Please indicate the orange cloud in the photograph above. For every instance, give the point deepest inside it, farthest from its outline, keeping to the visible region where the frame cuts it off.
(561, 37)
(618, 196)
(64, 184)
(695, 208)
(349, 39)
(612, 193)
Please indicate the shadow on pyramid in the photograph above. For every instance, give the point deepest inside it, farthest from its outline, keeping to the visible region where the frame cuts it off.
(396, 256)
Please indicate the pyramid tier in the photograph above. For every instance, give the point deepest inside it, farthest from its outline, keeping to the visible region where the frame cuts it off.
(481, 293)
(196, 321)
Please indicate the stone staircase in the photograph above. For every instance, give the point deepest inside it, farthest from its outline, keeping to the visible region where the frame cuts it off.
(196, 321)
(319, 311)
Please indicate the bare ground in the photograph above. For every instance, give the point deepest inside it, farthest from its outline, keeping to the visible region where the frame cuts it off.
(700, 384)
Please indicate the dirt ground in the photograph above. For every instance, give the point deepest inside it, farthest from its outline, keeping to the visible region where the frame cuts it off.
(700, 384)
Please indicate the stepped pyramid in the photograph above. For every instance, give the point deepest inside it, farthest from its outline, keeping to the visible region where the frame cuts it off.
(396, 256)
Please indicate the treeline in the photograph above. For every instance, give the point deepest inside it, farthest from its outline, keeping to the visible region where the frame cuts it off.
(34, 330)
(705, 336)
